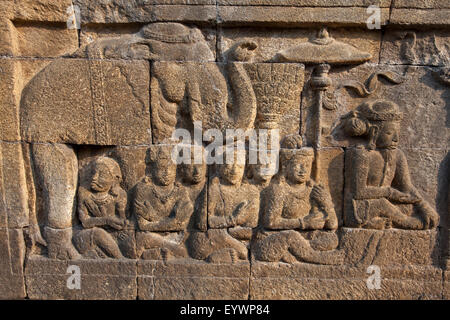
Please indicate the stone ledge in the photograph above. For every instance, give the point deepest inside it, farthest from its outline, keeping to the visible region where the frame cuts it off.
(307, 3)
(100, 279)
(192, 280)
(324, 289)
(422, 4)
(295, 16)
(420, 17)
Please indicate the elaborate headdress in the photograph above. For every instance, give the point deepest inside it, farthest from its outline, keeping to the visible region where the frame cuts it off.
(291, 148)
(112, 166)
(358, 122)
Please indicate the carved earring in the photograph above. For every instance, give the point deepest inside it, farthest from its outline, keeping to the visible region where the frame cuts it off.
(373, 135)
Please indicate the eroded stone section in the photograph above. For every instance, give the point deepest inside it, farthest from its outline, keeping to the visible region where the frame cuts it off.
(411, 47)
(103, 96)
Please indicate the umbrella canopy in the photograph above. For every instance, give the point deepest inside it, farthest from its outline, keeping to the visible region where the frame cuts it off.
(324, 49)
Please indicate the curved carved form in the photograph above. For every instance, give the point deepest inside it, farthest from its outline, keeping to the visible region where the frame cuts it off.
(379, 193)
(101, 210)
(292, 204)
(232, 214)
(162, 207)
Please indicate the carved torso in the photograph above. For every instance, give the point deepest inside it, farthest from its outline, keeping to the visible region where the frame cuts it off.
(382, 165)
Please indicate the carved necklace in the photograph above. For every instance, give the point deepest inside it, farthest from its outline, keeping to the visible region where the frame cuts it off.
(164, 196)
(101, 199)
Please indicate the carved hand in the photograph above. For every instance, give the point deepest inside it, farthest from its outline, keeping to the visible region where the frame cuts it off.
(143, 208)
(115, 223)
(431, 218)
(321, 196)
(92, 208)
(402, 197)
(241, 211)
(315, 221)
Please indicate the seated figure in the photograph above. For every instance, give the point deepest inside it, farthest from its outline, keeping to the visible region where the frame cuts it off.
(193, 178)
(101, 210)
(379, 193)
(293, 203)
(232, 214)
(162, 207)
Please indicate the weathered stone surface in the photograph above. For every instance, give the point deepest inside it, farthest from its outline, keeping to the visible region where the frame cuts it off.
(422, 4)
(296, 16)
(331, 175)
(429, 173)
(12, 251)
(337, 289)
(91, 32)
(446, 294)
(41, 10)
(390, 247)
(420, 17)
(37, 39)
(418, 92)
(9, 78)
(307, 3)
(100, 279)
(274, 40)
(100, 103)
(98, 114)
(410, 47)
(204, 90)
(7, 38)
(305, 281)
(13, 186)
(192, 280)
(122, 11)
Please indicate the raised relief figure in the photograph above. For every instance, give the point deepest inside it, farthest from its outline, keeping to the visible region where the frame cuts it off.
(293, 203)
(163, 208)
(193, 178)
(191, 87)
(101, 209)
(233, 206)
(379, 193)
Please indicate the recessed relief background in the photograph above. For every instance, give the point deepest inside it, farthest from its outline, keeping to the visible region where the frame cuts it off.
(314, 149)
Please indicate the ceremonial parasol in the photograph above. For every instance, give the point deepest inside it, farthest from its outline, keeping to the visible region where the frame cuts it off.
(322, 52)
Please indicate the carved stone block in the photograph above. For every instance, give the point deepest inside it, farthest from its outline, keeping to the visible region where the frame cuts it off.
(303, 281)
(409, 47)
(134, 162)
(99, 279)
(390, 247)
(192, 280)
(12, 251)
(102, 95)
(14, 213)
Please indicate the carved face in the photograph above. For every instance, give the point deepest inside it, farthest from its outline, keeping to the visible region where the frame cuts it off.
(388, 135)
(164, 172)
(232, 173)
(264, 172)
(298, 169)
(102, 179)
(194, 173)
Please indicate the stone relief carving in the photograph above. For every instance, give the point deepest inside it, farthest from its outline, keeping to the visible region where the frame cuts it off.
(163, 207)
(294, 203)
(379, 192)
(226, 213)
(101, 209)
